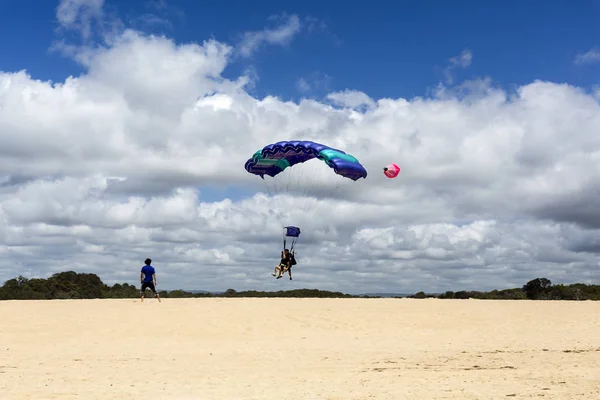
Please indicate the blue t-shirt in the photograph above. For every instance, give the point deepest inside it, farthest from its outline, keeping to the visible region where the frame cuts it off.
(148, 271)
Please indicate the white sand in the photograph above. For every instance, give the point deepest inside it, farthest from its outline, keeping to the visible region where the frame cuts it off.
(299, 349)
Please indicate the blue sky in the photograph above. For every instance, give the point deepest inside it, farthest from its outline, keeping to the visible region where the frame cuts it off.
(384, 49)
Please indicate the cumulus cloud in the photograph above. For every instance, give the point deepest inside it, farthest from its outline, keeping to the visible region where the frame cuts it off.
(589, 57)
(351, 99)
(85, 25)
(80, 15)
(287, 27)
(462, 61)
(303, 85)
(131, 158)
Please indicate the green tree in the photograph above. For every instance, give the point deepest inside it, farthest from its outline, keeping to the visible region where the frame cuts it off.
(537, 288)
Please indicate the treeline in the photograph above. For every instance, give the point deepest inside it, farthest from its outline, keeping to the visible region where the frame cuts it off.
(72, 285)
(536, 289)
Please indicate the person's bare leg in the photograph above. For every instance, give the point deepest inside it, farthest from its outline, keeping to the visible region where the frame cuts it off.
(157, 296)
(282, 271)
(275, 271)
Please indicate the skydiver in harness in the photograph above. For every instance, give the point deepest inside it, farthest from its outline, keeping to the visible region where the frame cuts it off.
(288, 258)
(291, 262)
(283, 265)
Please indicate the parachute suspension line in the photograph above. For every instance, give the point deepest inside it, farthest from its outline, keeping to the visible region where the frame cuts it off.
(271, 195)
(293, 244)
(314, 188)
(309, 184)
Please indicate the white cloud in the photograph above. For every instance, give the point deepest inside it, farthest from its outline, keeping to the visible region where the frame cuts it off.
(303, 85)
(351, 99)
(79, 15)
(463, 60)
(591, 56)
(282, 34)
(128, 160)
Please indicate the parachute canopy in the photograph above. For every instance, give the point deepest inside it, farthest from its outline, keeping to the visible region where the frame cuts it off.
(274, 158)
(292, 231)
(391, 170)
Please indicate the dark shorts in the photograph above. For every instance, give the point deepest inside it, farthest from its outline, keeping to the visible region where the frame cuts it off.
(148, 285)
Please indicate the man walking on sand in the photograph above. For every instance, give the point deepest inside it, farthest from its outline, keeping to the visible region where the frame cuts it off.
(148, 279)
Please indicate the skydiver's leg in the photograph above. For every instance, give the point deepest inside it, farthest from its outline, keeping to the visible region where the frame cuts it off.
(281, 270)
(290, 272)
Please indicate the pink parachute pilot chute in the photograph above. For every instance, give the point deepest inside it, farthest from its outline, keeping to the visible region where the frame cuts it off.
(391, 170)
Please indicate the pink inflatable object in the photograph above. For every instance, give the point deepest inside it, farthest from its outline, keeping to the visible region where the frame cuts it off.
(391, 171)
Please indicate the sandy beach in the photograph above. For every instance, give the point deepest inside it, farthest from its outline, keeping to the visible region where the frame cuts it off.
(299, 349)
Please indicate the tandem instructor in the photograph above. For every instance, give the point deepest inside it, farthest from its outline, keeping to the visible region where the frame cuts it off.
(148, 279)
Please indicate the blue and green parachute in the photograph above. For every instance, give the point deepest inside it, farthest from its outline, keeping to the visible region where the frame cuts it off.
(275, 158)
